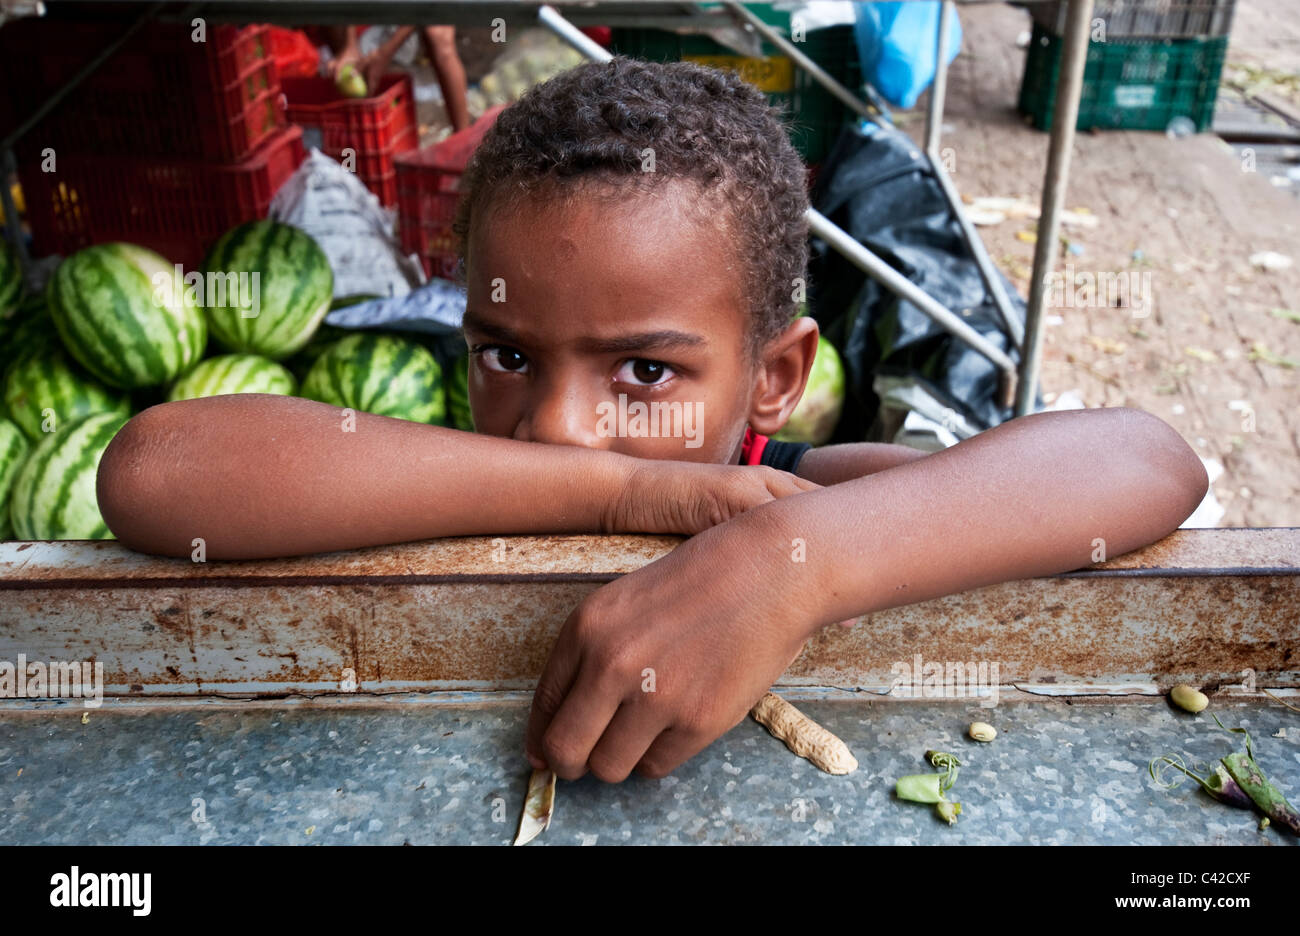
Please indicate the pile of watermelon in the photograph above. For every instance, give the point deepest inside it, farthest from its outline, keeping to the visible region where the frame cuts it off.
(116, 332)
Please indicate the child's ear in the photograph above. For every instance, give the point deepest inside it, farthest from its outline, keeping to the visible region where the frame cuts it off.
(782, 374)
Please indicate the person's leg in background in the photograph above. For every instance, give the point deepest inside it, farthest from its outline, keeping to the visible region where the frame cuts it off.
(441, 43)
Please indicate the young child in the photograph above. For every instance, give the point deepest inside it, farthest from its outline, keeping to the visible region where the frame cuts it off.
(635, 230)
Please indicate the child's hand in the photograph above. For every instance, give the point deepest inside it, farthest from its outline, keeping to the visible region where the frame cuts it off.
(651, 668)
(688, 497)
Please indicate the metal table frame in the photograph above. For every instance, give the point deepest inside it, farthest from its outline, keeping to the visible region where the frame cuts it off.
(1018, 382)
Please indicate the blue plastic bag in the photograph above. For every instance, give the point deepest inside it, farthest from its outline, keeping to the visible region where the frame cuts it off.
(897, 43)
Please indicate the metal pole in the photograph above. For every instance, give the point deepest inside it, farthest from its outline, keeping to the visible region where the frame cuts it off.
(819, 74)
(1079, 14)
(891, 279)
(552, 20)
(939, 87)
(988, 272)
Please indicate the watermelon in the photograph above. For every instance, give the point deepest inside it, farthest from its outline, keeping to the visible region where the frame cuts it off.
(814, 419)
(380, 374)
(54, 494)
(458, 412)
(294, 288)
(44, 390)
(233, 373)
(27, 329)
(121, 320)
(13, 452)
(11, 279)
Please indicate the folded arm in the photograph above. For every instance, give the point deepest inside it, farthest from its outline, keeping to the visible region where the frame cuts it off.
(256, 476)
(1035, 496)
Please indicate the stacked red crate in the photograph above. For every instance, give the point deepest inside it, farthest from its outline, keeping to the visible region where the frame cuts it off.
(177, 136)
(428, 188)
(365, 134)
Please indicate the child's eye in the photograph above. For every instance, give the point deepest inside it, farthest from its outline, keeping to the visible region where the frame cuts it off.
(503, 360)
(644, 373)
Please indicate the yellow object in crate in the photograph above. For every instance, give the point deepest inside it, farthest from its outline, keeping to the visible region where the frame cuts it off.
(773, 74)
(17, 192)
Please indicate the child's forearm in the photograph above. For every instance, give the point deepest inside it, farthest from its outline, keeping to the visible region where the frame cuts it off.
(1036, 496)
(255, 476)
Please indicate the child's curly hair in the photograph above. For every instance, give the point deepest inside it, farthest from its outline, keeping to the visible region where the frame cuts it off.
(588, 129)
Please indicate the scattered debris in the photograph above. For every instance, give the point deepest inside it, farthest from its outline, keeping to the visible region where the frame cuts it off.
(1189, 699)
(1286, 314)
(85, 718)
(1239, 782)
(804, 736)
(1268, 260)
(539, 804)
(1109, 345)
(1201, 354)
(1259, 352)
(931, 788)
(1279, 702)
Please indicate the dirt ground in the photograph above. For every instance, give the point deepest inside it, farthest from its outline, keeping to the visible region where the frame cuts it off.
(1212, 356)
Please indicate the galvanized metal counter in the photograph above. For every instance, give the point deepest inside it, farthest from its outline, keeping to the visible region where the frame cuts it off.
(381, 696)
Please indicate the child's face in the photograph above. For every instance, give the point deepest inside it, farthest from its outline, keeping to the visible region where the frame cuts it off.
(595, 301)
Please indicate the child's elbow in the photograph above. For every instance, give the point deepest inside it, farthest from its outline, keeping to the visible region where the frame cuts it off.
(1172, 463)
(129, 485)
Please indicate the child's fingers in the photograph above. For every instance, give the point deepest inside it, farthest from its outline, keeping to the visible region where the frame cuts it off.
(577, 726)
(670, 750)
(784, 484)
(557, 678)
(629, 735)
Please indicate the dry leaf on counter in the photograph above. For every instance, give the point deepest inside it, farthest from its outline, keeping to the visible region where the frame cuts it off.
(538, 806)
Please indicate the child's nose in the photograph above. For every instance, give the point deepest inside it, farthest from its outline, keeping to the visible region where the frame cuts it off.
(563, 420)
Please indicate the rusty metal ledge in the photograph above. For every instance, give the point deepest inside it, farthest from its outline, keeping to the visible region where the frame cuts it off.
(1214, 607)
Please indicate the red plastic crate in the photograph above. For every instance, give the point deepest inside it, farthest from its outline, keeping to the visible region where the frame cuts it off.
(376, 128)
(294, 53)
(161, 94)
(176, 207)
(428, 189)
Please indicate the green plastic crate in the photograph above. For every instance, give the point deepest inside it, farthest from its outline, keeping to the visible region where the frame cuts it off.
(1130, 84)
(813, 115)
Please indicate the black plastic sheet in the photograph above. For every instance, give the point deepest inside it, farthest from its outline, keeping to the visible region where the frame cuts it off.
(879, 186)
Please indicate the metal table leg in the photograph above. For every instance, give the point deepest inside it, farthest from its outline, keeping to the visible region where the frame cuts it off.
(939, 87)
(1054, 185)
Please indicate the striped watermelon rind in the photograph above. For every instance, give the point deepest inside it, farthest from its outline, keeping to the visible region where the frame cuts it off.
(11, 279)
(121, 319)
(233, 373)
(13, 452)
(45, 382)
(294, 291)
(458, 411)
(380, 374)
(54, 494)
